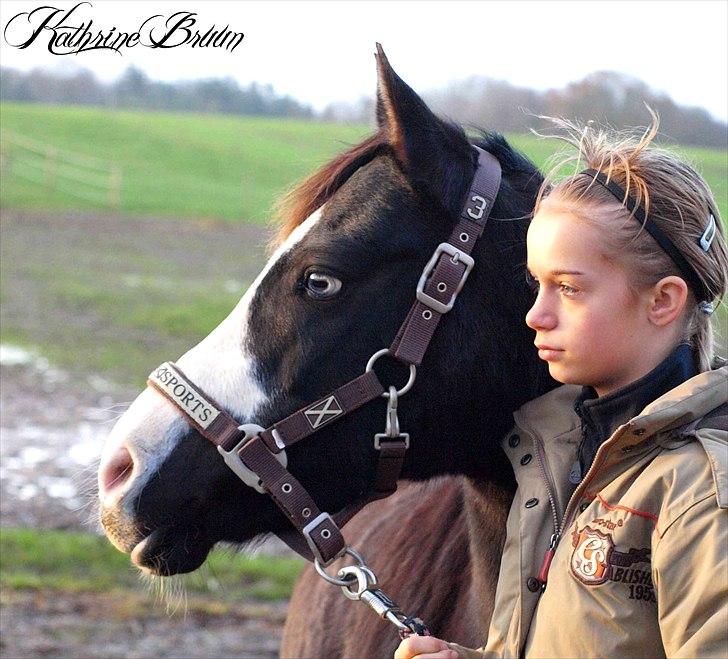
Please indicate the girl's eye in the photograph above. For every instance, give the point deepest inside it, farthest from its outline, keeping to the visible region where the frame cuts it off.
(532, 282)
(567, 290)
(320, 286)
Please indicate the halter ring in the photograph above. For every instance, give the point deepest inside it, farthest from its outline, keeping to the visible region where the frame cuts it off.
(412, 373)
(334, 580)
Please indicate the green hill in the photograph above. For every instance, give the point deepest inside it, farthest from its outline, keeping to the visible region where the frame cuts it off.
(190, 165)
(181, 165)
(116, 294)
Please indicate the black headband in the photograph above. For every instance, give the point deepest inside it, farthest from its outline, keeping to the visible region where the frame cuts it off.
(692, 277)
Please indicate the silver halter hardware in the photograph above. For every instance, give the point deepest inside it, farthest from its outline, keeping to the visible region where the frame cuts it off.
(410, 380)
(359, 583)
(456, 256)
(391, 427)
(232, 458)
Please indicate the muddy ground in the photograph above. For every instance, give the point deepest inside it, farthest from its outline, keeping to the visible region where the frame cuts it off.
(52, 426)
(86, 625)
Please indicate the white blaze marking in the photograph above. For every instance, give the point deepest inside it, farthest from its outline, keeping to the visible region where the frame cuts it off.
(219, 365)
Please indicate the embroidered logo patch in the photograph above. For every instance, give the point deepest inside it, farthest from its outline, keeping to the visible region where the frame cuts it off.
(590, 558)
(595, 560)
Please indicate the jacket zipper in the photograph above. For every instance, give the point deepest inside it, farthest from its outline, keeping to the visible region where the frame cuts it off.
(548, 556)
(549, 484)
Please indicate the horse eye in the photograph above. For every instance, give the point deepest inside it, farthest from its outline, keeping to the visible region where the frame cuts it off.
(322, 287)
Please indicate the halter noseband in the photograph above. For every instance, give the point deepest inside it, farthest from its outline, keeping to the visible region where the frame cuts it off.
(257, 455)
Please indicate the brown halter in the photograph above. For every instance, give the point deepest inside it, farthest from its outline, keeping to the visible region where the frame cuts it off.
(257, 455)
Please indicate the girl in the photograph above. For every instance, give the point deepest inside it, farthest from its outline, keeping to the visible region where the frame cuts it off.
(617, 539)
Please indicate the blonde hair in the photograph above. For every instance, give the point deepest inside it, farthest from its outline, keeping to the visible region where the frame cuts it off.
(674, 196)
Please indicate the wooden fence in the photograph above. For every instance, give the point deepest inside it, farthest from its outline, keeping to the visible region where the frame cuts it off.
(75, 174)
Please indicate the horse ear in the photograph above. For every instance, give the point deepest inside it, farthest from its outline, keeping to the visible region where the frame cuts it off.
(433, 153)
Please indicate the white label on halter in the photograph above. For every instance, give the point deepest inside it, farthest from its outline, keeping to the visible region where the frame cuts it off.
(181, 392)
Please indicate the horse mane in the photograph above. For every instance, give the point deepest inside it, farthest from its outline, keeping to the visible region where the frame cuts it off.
(318, 188)
(310, 194)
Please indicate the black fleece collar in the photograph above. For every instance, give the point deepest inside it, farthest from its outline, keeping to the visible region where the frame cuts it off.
(601, 416)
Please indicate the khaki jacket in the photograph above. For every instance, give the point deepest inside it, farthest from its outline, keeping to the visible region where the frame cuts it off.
(641, 564)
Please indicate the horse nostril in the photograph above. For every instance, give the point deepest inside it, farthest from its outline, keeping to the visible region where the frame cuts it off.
(115, 473)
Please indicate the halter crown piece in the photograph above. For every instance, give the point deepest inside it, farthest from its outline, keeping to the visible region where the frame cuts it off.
(691, 276)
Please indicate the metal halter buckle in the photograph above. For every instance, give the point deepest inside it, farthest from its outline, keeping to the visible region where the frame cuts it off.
(384, 437)
(457, 255)
(309, 528)
(232, 458)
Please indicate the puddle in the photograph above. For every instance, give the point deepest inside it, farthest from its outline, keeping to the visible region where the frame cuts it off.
(33, 455)
(13, 355)
(52, 430)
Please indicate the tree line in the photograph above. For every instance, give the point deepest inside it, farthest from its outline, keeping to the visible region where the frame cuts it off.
(134, 89)
(606, 96)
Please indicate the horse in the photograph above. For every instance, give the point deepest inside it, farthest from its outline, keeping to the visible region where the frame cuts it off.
(354, 238)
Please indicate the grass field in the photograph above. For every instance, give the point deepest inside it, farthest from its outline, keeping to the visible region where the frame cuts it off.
(201, 166)
(67, 594)
(117, 293)
(72, 561)
(173, 165)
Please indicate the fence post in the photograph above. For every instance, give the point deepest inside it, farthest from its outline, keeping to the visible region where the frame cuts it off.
(51, 167)
(115, 187)
(5, 161)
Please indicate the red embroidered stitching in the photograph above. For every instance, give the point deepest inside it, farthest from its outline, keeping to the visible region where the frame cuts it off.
(634, 511)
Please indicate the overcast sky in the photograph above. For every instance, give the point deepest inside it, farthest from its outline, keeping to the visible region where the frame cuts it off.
(320, 52)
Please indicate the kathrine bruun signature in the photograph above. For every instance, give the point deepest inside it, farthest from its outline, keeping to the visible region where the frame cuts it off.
(65, 38)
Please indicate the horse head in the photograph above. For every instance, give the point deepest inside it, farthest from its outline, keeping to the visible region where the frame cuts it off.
(355, 239)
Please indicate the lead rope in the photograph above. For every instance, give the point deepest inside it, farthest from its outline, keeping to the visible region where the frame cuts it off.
(359, 583)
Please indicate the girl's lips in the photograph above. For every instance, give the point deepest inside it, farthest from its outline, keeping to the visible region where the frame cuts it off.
(547, 353)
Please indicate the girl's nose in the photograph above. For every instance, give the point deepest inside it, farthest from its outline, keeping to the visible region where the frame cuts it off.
(539, 317)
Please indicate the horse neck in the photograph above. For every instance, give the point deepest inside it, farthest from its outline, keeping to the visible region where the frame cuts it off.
(481, 368)
(486, 507)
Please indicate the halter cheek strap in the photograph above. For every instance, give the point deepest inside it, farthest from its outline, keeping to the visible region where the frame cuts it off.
(257, 457)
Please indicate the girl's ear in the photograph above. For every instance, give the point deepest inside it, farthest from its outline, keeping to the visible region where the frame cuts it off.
(667, 301)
